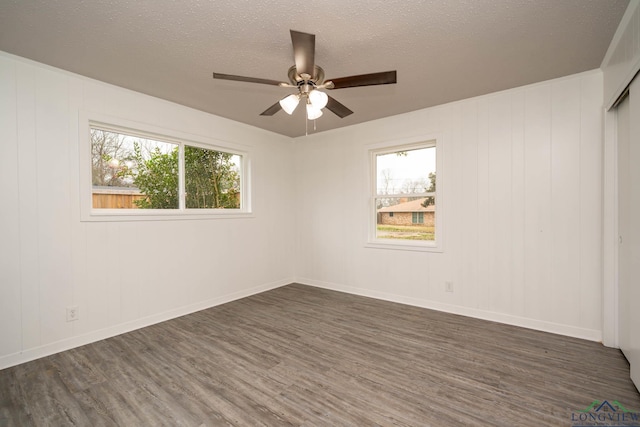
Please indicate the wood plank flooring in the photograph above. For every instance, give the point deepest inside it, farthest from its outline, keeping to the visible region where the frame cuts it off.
(303, 356)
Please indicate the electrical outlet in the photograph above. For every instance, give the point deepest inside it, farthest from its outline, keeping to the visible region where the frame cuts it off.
(448, 286)
(72, 313)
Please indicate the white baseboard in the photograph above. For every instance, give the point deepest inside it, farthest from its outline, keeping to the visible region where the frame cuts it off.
(524, 322)
(80, 340)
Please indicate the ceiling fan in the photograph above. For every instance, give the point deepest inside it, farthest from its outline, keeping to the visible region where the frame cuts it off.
(309, 78)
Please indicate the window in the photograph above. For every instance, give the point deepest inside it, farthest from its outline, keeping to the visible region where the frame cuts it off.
(403, 208)
(129, 172)
(138, 174)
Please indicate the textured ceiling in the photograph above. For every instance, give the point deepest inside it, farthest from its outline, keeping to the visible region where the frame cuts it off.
(444, 50)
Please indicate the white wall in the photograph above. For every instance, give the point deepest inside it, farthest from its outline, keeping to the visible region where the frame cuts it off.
(523, 202)
(122, 275)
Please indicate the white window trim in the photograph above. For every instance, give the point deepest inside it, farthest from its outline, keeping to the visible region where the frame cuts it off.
(88, 213)
(373, 150)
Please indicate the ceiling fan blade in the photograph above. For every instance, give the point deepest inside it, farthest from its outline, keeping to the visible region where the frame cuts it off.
(383, 78)
(272, 110)
(245, 79)
(304, 52)
(337, 108)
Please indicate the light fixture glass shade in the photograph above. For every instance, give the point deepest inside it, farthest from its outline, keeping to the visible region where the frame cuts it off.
(313, 112)
(318, 99)
(290, 103)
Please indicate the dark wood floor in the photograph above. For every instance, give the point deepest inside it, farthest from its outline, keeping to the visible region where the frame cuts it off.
(303, 356)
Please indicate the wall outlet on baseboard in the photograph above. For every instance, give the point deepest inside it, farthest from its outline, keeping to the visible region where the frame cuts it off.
(448, 286)
(72, 313)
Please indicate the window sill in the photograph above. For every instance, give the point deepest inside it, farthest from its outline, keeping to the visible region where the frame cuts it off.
(114, 215)
(404, 246)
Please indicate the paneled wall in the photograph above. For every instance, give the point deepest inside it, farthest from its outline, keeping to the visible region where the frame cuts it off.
(521, 199)
(121, 275)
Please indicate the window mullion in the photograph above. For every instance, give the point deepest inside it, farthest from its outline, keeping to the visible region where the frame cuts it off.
(412, 195)
(181, 179)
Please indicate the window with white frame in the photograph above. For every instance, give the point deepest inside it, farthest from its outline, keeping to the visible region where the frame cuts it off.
(141, 174)
(404, 201)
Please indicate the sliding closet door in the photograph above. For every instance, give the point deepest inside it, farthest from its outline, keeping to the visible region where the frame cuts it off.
(629, 228)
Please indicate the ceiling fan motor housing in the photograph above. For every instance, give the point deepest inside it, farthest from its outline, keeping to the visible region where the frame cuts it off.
(298, 80)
